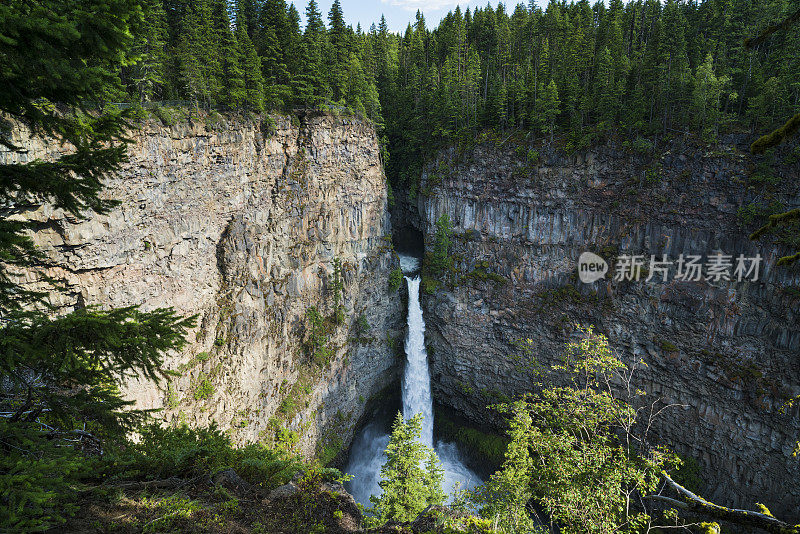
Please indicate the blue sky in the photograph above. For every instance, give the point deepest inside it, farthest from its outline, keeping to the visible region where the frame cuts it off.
(398, 12)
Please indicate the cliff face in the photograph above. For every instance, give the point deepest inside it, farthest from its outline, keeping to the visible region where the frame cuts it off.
(726, 352)
(239, 221)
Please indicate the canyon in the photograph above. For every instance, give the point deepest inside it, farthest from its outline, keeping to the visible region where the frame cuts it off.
(241, 220)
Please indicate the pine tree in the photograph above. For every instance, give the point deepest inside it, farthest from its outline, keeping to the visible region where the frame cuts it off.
(271, 44)
(606, 96)
(411, 478)
(310, 85)
(232, 90)
(504, 498)
(60, 371)
(339, 50)
(147, 72)
(253, 96)
(548, 108)
(188, 53)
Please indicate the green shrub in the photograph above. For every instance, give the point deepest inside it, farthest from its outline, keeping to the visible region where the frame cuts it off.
(36, 489)
(639, 145)
(204, 388)
(763, 174)
(188, 452)
(171, 510)
(317, 343)
(167, 116)
(288, 405)
(395, 279)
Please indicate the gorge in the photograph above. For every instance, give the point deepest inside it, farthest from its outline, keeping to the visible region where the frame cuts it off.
(264, 270)
(368, 452)
(240, 221)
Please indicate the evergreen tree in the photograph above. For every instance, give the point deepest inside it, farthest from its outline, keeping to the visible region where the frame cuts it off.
(505, 498)
(310, 82)
(253, 82)
(411, 478)
(548, 108)
(232, 86)
(339, 50)
(60, 371)
(147, 72)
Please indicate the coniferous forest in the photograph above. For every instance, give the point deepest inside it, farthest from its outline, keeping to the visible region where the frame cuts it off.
(578, 71)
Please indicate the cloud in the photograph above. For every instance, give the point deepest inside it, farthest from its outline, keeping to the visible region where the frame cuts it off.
(423, 5)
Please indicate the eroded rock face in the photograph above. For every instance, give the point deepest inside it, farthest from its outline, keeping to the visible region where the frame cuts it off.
(239, 221)
(727, 353)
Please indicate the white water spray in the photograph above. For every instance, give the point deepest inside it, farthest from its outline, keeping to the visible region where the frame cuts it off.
(417, 377)
(368, 451)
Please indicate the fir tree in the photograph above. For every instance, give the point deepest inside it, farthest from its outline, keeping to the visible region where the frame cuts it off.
(411, 478)
(549, 108)
(339, 50)
(147, 72)
(60, 371)
(253, 96)
(232, 86)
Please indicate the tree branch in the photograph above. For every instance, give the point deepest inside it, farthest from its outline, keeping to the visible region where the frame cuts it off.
(776, 137)
(781, 26)
(694, 503)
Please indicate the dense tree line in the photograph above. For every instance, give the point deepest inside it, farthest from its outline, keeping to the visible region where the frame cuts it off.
(250, 54)
(584, 71)
(576, 70)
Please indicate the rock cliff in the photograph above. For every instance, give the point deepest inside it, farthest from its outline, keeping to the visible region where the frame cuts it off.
(727, 352)
(239, 221)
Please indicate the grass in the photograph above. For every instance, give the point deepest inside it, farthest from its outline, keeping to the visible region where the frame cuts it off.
(481, 273)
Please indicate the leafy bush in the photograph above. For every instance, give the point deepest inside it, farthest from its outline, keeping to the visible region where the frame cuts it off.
(167, 116)
(438, 264)
(317, 343)
(640, 145)
(204, 389)
(395, 279)
(566, 453)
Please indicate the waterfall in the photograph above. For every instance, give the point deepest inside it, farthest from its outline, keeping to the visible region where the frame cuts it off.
(368, 451)
(417, 378)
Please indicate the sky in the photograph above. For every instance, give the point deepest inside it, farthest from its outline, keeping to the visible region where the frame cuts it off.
(398, 12)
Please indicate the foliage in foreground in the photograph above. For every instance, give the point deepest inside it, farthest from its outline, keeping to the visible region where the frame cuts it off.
(573, 451)
(411, 477)
(59, 372)
(188, 452)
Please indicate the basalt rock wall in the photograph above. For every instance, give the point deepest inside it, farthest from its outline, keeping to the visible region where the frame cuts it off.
(239, 220)
(726, 353)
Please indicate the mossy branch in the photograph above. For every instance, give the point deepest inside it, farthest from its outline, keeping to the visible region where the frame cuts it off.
(694, 503)
(765, 142)
(781, 26)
